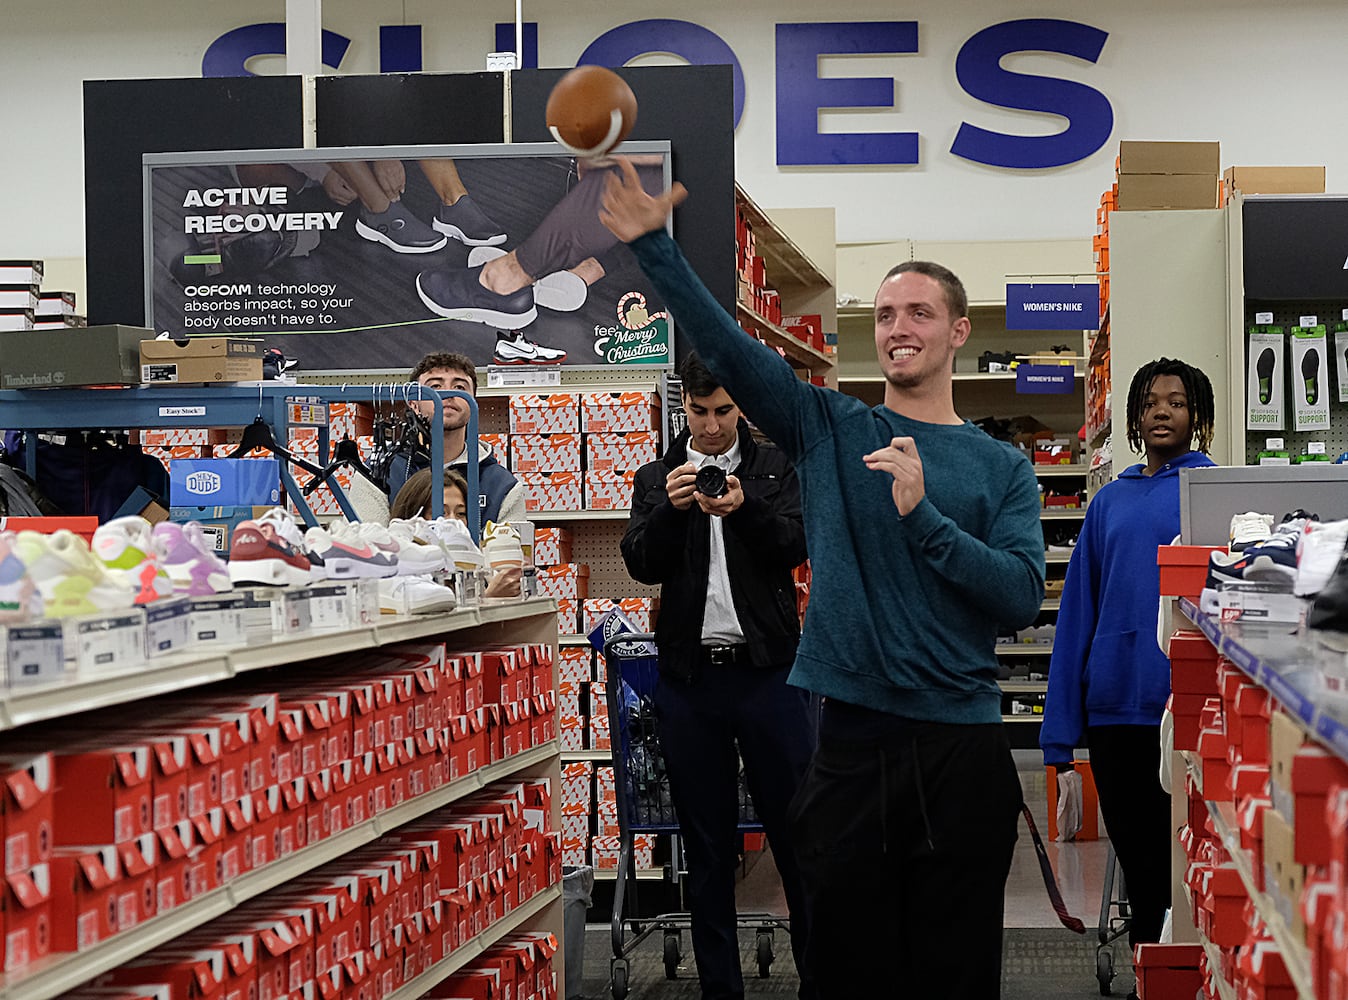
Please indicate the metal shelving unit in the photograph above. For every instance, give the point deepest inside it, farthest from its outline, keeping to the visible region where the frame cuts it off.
(563, 516)
(82, 693)
(797, 351)
(1024, 649)
(596, 755)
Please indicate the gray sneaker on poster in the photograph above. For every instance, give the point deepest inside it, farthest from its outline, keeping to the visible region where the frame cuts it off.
(399, 229)
(468, 224)
(456, 293)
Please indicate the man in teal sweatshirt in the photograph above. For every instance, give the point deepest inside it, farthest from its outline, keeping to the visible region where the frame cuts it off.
(924, 540)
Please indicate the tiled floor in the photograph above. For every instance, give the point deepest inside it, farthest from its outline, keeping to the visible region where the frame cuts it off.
(1042, 959)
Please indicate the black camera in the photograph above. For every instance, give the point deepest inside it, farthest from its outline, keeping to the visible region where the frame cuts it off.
(711, 481)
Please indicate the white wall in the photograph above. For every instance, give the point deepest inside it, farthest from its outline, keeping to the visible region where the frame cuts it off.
(1257, 76)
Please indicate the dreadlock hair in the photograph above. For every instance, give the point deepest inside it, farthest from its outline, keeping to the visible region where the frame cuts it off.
(1202, 407)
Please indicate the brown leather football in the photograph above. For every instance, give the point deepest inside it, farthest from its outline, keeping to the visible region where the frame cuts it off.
(590, 110)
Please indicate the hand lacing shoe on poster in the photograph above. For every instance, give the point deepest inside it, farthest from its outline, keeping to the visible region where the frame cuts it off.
(561, 291)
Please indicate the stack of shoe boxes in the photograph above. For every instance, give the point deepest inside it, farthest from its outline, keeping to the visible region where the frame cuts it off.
(752, 273)
(368, 923)
(1167, 175)
(533, 416)
(25, 306)
(151, 808)
(622, 433)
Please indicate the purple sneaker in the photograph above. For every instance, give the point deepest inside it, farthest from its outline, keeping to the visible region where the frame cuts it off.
(193, 566)
(19, 599)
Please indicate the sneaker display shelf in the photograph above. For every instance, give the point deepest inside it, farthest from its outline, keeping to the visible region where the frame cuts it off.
(233, 405)
(526, 622)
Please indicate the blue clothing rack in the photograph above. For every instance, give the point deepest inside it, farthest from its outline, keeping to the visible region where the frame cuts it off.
(238, 405)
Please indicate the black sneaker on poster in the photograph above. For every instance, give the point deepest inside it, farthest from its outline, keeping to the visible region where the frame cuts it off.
(516, 350)
(457, 293)
(465, 222)
(399, 230)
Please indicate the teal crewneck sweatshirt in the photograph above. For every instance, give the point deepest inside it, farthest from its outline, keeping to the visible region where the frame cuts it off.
(904, 611)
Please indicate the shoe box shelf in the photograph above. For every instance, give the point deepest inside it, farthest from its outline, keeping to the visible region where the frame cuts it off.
(1293, 668)
(798, 267)
(530, 621)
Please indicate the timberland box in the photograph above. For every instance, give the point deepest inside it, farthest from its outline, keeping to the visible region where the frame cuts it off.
(93, 355)
(200, 359)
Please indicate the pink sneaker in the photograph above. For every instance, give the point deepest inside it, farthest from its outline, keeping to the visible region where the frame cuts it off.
(194, 568)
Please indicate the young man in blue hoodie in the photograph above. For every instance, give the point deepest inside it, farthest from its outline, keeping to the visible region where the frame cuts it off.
(1108, 680)
(924, 540)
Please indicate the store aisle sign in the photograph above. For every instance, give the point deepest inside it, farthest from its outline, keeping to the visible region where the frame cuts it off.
(801, 91)
(1045, 379)
(1053, 307)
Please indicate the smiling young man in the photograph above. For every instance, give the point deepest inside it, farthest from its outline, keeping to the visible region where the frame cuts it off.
(925, 543)
(727, 635)
(1108, 680)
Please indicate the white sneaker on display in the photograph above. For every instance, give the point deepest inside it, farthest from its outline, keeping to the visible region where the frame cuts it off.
(346, 558)
(1248, 528)
(126, 546)
(458, 543)
(1318, 553)
(426, 557)
(502, 547)
(414, 595)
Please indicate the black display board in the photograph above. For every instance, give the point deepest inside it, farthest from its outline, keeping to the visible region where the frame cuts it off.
(125, 118)
(410, 109)
(1295, 249)
(693, 107)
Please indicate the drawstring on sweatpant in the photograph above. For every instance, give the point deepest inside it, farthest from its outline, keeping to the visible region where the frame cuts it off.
(922, 796)
(884, 805)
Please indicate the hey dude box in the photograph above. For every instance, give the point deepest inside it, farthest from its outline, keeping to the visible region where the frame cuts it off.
(224, 482)
(1266, 377)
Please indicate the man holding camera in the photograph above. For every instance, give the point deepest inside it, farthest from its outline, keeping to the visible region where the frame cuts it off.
(717, 524)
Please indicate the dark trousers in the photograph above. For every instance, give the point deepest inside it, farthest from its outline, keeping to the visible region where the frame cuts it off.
(1125, 761)
(904, 838)
(700, 726)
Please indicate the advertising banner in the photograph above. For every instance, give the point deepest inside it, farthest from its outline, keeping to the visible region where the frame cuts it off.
(1053, 307)
(366, 259)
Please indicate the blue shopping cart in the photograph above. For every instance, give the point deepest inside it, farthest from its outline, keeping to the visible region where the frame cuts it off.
(645, 806)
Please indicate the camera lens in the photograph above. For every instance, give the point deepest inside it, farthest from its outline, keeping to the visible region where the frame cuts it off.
(711, 481)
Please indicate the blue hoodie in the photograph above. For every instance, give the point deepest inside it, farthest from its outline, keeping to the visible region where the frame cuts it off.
(1107, 669)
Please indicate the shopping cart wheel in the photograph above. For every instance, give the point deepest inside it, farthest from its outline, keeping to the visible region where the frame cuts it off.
(1104, 969)
(617, 975)
(672, 941)
(764, 950)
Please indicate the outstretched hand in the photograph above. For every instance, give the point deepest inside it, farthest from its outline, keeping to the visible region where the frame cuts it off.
(628, 211)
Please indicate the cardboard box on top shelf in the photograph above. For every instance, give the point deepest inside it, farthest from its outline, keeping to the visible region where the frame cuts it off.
(1139, 157)
(93, 355)
(1272, 180)
(200, 359)
(1148, 192)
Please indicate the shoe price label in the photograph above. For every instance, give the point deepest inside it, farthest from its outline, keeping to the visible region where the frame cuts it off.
(33, 653)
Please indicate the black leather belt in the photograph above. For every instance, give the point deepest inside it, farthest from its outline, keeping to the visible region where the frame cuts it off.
(726, 655)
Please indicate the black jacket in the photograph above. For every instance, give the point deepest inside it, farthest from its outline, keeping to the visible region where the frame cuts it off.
(764, 541)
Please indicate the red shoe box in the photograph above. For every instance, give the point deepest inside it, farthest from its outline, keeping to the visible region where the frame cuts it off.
(1314, 771)
(27, 804)
(1216, 768)
(544, 718)
(172, 763)
(1261, 973)
(1317, 903)
(137, 898)
(103, 792)
(1253, 706)
(318, 811)
(292, 824)
(173, 874)
(474, 683)
(236, 849)
(85, 882)
(198, 973)
(27, 908)
(290, 733)
(1184, 569)
(265, 843)
(362, 717)
(1193, 663)
(452, 686)
(206, 866)
(1250, 816)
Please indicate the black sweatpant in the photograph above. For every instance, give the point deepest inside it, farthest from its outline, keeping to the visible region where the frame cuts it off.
(706, 726)
(904, 833)
(1125, 762)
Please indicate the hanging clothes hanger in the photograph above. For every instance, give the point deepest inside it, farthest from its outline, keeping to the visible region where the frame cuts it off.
(258, 434)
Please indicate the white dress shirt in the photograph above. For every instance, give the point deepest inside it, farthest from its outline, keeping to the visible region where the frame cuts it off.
(720, 624)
